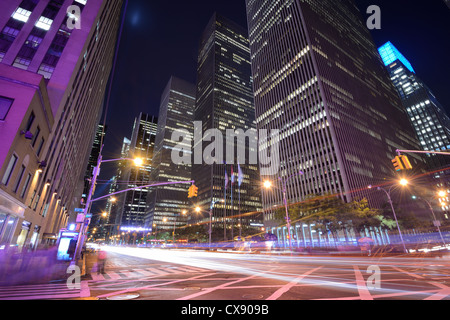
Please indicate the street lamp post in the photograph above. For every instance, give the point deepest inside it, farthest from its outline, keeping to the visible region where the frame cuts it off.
(388, 193)
(96, 172)
(436, 222)
(267, 185)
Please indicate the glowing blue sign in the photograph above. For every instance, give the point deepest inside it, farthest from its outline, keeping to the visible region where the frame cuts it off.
(389, 54)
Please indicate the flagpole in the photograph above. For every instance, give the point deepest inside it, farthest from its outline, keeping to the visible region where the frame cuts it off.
(225, 205)
(240, 180)
(232, 211)
(240, 221)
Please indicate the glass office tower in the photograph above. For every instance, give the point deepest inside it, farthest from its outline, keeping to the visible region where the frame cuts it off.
(428, 117)
(167, 203)
(133, 204)
(225, 101)
(319, 79)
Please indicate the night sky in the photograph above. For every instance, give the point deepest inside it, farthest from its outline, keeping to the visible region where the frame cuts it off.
(161, 39)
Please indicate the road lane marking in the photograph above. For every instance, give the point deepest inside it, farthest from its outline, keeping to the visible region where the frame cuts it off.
(440, 294)
(408, 273)
(363, 291)
(277, 294)
(222, 286)
(154, 285)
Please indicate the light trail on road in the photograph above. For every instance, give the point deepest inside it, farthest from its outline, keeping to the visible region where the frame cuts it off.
(336, 273)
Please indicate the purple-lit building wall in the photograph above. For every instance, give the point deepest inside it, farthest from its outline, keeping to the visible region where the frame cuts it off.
(37, 42)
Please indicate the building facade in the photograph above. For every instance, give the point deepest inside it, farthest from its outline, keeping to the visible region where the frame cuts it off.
(225, 102)
(166, 204)
(25, 125)
(318, 79)
(74, 61)
(427, 116)
(132, 204)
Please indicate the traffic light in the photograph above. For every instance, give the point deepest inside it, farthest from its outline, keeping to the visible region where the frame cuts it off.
(402, 163)
(398, 165)
(193, 191)
(406, 163)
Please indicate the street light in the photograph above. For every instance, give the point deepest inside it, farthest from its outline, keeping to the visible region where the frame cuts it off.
(402, 182)
(138, 162)
(96, 172)
(268, 185)
(436, 222)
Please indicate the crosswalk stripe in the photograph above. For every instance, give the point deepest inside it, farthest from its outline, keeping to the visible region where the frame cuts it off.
(97, 277)
(130, 274)
(190, 269)
(113, 275)
(144, 272)
(173, 270)
(157, 271)
(39, 292)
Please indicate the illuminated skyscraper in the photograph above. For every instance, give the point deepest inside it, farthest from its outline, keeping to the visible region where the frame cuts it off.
(176, 113)
(318, 78)
(428, 117)
(93, 157)
(225, 101)
(132, 204)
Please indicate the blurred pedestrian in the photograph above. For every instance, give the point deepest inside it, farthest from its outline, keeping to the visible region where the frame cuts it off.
(101, 261)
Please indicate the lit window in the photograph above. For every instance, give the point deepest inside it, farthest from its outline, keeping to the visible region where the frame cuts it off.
(44, 23)
(9, 169)
(21, 14)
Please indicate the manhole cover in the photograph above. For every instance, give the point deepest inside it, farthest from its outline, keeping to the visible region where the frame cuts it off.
(252, 296)
(127, 296)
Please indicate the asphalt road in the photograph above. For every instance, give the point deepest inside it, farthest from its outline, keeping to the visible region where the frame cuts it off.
(156, 274)
(188, 277)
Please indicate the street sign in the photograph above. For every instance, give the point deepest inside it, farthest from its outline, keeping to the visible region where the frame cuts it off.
(79, 210)
(80, 218)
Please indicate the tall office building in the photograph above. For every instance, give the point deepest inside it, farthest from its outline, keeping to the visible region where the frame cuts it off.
(93, 158)
(66, 59)
(318, 79)
(167, 203)
(132, 204)
(225, 102)
(428, 117)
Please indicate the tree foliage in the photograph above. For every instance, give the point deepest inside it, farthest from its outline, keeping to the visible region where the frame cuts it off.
(330, 214)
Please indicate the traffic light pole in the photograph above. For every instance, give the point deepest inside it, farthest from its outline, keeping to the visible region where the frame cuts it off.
(90, 201)
(399, 152)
